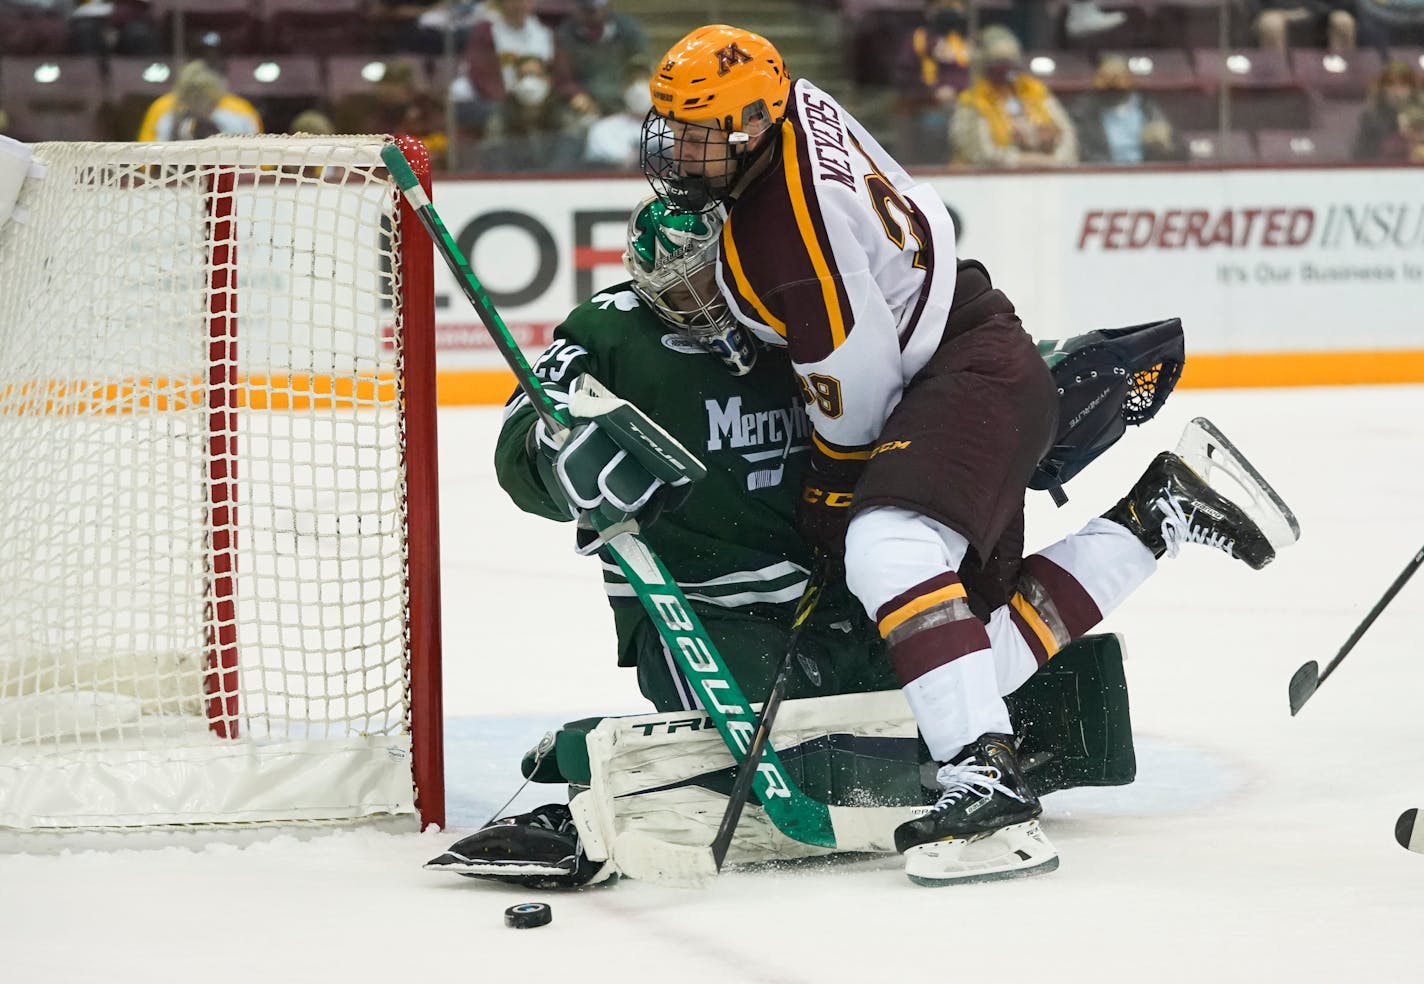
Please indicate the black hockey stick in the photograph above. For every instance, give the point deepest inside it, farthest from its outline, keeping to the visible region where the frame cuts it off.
(747, 768)
(1308, 678)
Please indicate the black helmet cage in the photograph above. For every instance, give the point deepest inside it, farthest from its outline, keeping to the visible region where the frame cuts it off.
(711, 143)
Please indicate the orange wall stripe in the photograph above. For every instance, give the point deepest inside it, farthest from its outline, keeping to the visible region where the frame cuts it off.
(1302, 369)
(492, 387)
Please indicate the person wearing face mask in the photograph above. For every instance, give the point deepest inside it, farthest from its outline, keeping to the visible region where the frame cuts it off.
(598, 43)
(1117, 124)
(509, 33)
(1008, 118)
(535, 129)
(613, 141)
(932, 71)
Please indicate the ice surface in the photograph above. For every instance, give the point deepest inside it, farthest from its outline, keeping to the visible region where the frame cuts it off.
(1252, 847)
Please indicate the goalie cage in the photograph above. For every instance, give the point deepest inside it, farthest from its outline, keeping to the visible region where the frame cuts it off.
(219, 587)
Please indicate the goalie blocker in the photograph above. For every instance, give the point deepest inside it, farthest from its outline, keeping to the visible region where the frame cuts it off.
(665, 778)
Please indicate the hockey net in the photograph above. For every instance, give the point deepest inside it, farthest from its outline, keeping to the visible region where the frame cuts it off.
(218, 528)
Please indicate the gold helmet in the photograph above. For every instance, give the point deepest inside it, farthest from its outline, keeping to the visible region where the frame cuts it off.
(723, 76)
(714, 94)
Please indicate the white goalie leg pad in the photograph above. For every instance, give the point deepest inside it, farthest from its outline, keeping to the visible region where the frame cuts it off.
(1011, 852)
(643, 792)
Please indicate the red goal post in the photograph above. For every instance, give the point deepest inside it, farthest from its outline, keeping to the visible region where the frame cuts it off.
(219, 536)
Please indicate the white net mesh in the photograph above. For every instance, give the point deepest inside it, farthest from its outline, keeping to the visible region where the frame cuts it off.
(202, 535)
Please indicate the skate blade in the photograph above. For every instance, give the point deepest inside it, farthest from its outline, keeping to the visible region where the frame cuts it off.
(1018, 851)
(496, 869)
(1209, 452)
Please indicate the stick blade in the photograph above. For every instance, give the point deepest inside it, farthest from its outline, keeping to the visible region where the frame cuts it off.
(1408, 832)
(645, 858)
(1302, 685)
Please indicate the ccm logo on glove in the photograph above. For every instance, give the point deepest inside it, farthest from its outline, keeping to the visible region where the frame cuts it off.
(827, 497)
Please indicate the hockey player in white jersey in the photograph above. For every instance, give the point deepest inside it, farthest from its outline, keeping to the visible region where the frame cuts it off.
(931, 410)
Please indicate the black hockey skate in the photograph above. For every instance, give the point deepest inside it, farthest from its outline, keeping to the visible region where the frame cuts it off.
(538, 849)
(1171, 505)
(985, 825)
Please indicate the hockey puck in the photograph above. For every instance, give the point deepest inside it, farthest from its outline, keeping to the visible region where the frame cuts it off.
(528, 915)
(1409, 832)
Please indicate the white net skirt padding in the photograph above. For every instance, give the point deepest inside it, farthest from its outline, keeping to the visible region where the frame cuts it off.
(203, 521)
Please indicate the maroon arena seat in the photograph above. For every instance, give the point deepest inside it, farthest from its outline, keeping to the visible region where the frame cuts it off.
(52, 97)
(1162, 68)
(315, 26)
(283, 76)
(1209, 147)
(1062, 71)
(234, 22)
(1249, 68)
(1293, 146)
(346, 74)
(1332, 76)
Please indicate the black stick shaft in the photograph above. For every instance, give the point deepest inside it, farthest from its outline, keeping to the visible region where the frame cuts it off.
(1399, 582)
(747, 769)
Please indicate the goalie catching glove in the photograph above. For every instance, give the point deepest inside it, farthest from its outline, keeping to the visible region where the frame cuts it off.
(614, 460)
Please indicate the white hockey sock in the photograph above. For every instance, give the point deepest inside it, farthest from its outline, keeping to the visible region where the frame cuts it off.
(956, 703)
(1106, 559)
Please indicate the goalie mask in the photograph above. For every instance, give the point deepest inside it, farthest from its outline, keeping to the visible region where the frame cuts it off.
(714, 93)
(671, 257)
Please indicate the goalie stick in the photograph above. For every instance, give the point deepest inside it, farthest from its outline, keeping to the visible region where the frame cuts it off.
(791, 810)
(643, 856)
(1308, 678)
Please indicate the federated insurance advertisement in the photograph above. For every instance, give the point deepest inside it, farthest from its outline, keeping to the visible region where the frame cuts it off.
(1263, 263)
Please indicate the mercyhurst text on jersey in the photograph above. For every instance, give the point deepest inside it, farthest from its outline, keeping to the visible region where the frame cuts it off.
(733, 546)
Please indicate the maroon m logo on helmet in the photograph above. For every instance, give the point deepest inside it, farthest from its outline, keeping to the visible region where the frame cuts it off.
(729, 56)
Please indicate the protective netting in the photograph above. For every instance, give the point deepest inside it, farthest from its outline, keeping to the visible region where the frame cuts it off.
(203, 521)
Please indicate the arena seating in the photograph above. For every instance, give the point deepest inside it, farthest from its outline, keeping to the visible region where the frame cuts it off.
(312, 53)
(54, 95)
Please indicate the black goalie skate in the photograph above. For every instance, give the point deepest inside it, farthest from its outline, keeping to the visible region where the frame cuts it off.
(1171, 505)
(538, 849)
(985, 825)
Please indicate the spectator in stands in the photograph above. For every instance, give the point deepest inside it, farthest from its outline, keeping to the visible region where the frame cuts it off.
(1008, 118)
(932, 71)
(598, 44)
(536, 128)
(1384, 23)
(396, 103)
(312, 121)
(508, 35)
(420, 26)
(1411, 122)
(1037, 22)
(1381, 135)
(199, 106)
(614, 140)
(1310, 23)
(1117, 124)
(1086, 19)
(119, 27)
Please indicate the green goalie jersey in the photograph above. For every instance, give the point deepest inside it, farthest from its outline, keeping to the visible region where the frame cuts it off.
(733, 545)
